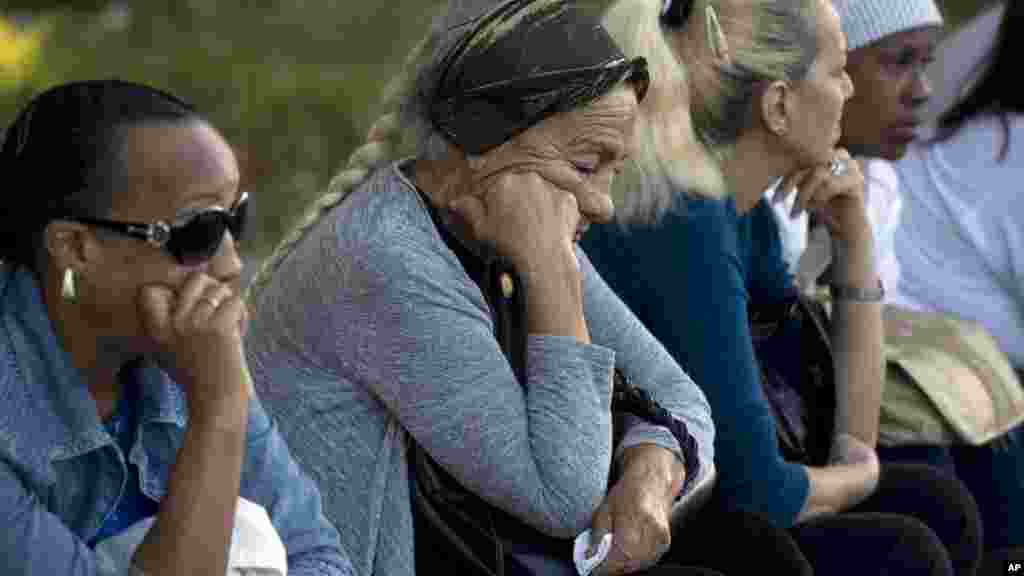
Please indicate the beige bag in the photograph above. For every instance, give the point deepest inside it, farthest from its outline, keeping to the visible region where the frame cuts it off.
(947, 382)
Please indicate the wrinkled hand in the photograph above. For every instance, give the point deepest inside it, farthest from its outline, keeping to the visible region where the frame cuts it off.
(637, 513)
(835, 201)
(198, 331)
(527, 217)
(850, 451)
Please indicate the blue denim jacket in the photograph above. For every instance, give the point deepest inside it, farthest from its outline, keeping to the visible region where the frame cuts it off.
(61, 473)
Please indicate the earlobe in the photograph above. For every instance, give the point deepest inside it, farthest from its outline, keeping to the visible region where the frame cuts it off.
(775, 107)
(68, 244)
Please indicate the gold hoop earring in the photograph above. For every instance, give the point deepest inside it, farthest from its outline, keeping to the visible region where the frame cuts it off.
(68, 291)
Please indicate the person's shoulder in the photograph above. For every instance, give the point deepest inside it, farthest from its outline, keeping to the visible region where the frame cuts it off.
(22, 407)
(9, 372)
(690, 212)
(689, 217)
(387, 239)
(11, 324)
(693, 206)
(8, 273)
(980, 164)
(381, 210)
(385, 219)
(640, 247)
(978, 143)
(708, 225)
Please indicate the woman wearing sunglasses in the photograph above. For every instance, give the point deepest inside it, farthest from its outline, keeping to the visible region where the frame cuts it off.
(127, 397)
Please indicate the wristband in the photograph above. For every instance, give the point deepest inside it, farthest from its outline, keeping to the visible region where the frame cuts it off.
(855, 294)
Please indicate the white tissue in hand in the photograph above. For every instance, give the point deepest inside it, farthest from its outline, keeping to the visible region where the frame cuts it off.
(256, 548)
(586, 565)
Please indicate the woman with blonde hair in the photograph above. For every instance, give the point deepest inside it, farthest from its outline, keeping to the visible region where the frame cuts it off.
(767, 85)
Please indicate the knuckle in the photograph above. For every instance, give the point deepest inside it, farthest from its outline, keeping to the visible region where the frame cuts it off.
(507, 183)
(569, 201)
(500, 198)
(199, 279)
(192, 279)
(506, 179)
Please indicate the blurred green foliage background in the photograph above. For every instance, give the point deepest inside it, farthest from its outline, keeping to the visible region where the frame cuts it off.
(293, 84)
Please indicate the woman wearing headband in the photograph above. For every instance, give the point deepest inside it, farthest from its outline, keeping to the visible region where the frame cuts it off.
(768, 84)
(119, 307)
(370, 329)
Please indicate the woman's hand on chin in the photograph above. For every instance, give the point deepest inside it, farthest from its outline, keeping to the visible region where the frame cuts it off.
(834, 193)
(198, 330)
(527, 217)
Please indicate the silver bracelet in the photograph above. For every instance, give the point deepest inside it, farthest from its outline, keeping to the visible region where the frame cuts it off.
(855, 294)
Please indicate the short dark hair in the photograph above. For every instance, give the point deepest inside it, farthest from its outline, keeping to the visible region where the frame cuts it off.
(61, 155)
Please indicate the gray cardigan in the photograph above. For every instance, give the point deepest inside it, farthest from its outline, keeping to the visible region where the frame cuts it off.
(371, 330)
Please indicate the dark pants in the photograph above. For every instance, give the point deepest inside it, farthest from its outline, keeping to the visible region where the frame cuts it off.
(545, 568)
(766, 550)
(919, 521)
(994, 473)
(737, 543)
(678, 571)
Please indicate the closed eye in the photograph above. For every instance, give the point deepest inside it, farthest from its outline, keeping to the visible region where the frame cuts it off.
(594, 155)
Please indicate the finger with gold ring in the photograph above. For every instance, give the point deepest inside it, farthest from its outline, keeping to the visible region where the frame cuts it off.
(837, 167)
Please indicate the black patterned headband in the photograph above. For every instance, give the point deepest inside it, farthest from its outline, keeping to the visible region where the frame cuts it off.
(521, 63)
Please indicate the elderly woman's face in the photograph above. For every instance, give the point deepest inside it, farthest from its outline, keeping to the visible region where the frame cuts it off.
(593, 142)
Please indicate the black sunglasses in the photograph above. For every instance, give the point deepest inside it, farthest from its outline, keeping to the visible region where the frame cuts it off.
(191, 240)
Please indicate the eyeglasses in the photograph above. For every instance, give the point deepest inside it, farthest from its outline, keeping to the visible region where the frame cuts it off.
(192, 240)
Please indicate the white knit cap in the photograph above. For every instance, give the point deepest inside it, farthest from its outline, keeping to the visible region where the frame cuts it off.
(865, 21)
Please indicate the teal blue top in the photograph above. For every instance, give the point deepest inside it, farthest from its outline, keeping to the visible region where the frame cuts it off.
(690, 279)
